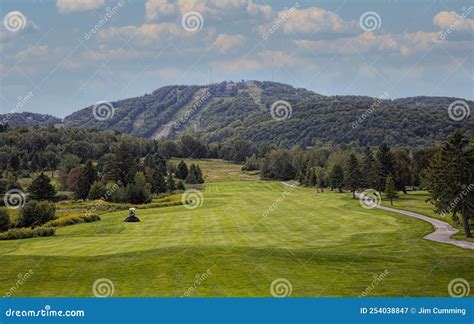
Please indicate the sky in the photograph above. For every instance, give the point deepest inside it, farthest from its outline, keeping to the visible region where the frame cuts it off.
(58, 56)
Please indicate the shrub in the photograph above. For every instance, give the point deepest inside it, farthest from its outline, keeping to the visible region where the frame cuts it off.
(4, 220)
(97, 191)
(72, 219)
(24, 233)
(36, 213)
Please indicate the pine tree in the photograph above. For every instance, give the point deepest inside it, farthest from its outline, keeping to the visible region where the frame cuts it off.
(450, 178)
(181, 171)
(385, 165)
(138, 191)
(86, 179)
(41, 188)
(312, 178)
(180, 185)
(200, 178)
(368, 169)
(390, 190)
(353, 175)
(170, 185)
(158, 183)
(192, 175)
(336, 177)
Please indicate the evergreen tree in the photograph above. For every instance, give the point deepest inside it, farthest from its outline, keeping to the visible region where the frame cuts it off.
(41, 188)
(368, 169)
(450, 177)
(86, 179)
(181, 171)
(312, 178)
(336, 177)
(4, 220)
(180, 186)
(36, 213)
(390, 190)
(192, 175)
(138, 191)
(158, 183)
(200, 178)
(170, 185)
(402, 172)
(385, 164)
(125, 165)
(353, 177)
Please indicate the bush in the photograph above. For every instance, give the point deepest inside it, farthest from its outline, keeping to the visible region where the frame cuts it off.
(71, 220)
(4, 220)
(24, 233)
(36, 213)
(97, 191)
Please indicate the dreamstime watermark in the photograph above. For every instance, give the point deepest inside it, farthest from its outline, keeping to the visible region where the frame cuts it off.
(282, 17)
(457, 22)
(190, 112)
(104, 20)
(369, 111)
(192, 21)
(378, 278)
(103, 287)
(103, 110)
(14, 199)
(108, 193)
(22, 278)
(279, 200)
(459, 110)
(14, 21)
(192, 199)
(456, 200)
(459, 287)
(370, 21)
(281, 110)
(281, 288)
(21, 102)
(200, 278)
(370, 198)
(46, 312)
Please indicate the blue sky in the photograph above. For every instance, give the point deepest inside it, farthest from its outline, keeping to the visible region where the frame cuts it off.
(60, 56)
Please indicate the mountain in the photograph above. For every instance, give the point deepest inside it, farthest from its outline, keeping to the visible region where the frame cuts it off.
(229, 111)
(29, 119)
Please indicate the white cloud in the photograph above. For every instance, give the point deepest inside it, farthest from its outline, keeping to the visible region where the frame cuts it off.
(226, 42)
(367, 43)
(314, 20)
(452, 20)
(67, 6)
(155, 9)
(210, 9)
(145, 34)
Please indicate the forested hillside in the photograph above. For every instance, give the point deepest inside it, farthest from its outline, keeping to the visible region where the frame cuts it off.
(227, 111)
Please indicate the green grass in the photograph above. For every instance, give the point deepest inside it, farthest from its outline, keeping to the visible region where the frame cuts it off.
(416, 202)
(324, 244)
(219, 170)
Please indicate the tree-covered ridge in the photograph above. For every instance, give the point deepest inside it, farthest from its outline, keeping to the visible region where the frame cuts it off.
(28, 119)
(229, 111)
